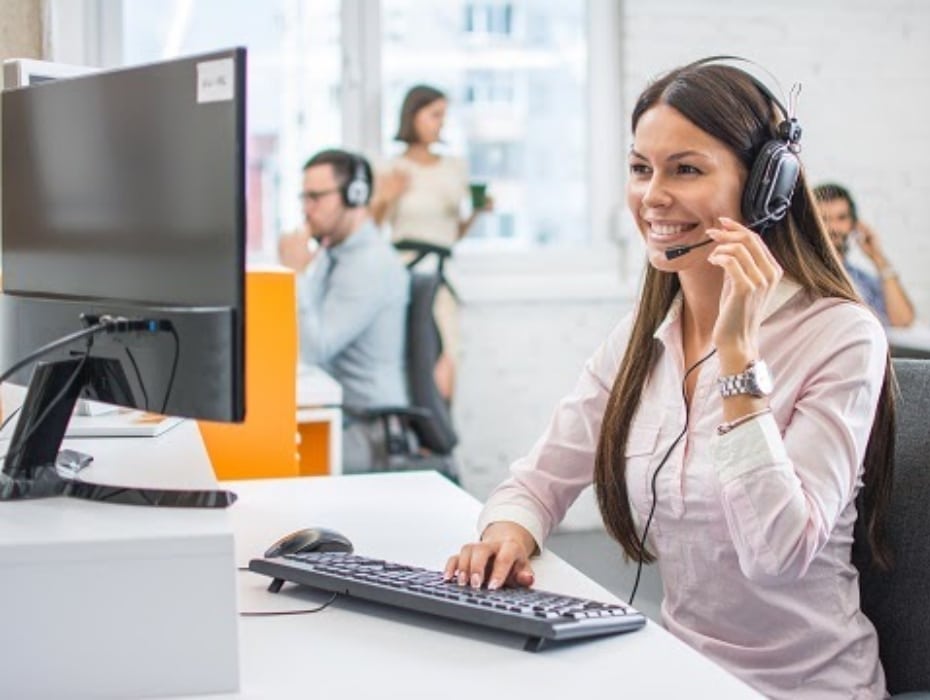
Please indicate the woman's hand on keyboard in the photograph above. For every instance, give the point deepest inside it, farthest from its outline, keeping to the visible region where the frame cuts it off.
(504, 550)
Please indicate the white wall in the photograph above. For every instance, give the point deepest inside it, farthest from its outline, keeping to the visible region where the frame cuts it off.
(518, 358)
(21, 29)
(865, 69)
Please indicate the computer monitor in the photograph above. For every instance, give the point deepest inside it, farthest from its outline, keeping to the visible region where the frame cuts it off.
(22, 72)
(124, 207)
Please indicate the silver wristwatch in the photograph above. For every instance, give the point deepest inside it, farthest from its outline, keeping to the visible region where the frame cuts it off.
(756, 381)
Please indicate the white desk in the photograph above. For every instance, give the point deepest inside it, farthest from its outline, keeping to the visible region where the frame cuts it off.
(319, 400)
(354, 649)
(357, 650)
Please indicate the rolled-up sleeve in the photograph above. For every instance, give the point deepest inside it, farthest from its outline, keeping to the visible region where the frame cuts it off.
(783, 491)
(544, 483)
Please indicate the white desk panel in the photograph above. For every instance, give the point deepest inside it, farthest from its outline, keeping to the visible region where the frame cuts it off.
(106, 600)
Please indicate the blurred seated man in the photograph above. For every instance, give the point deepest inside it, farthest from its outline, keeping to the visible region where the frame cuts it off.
(352, 297)
(883, 292)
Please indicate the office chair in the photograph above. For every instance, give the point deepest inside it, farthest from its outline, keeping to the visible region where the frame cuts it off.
(419, 436)
(421, 251)
(896, 601)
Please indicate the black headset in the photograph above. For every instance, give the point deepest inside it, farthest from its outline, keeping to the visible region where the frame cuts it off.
(357, 190)
(774, 173)
(776, 169)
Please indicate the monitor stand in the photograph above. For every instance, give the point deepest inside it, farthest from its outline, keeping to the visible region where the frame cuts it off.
(29, 470)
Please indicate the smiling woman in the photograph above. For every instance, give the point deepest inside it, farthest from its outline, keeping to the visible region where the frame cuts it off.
(764, 382)
(704, 182)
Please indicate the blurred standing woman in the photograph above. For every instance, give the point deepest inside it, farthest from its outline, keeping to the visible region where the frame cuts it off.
(420, 195)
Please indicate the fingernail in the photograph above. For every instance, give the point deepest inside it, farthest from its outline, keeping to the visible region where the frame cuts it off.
(475, 581)
(494, 584)
(446, 575)
(726, 220)
(462, 578)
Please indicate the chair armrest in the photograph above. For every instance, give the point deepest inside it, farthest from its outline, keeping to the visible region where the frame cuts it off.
(396, 421)
(384, 411)
(424, 248)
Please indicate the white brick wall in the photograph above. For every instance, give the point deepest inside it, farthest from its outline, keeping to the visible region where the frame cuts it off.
(865, 68)
(518, 359)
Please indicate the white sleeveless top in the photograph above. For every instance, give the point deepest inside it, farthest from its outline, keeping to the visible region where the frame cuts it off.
(429, 210)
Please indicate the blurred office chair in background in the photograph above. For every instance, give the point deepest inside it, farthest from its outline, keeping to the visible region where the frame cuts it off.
(419, 251)
(897, 601)
(420, 436)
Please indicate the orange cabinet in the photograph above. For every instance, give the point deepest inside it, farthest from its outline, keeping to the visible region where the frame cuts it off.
(265, 444)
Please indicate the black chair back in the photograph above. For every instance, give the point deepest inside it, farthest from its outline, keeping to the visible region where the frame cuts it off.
(424, 346)
(898, 601)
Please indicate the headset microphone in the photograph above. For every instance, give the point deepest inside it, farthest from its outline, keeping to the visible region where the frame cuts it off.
(679, 250)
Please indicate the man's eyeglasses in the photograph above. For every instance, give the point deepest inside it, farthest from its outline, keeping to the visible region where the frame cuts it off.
(312, 196)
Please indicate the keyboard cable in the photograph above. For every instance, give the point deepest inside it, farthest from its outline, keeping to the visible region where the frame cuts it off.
(276, 613)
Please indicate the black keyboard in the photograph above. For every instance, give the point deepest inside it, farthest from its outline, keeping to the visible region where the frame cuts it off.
(540, 615)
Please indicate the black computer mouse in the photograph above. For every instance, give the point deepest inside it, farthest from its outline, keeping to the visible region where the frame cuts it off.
(311, 539)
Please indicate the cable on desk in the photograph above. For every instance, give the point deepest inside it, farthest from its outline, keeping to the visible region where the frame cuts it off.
(273, 613)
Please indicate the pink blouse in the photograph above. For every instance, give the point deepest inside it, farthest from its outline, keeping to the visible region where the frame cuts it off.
(753, 529)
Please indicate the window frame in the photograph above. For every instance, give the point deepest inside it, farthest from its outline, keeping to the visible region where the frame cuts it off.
(89, 32)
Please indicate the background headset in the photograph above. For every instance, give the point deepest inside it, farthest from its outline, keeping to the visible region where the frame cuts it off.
(775, 171)
(357, 190)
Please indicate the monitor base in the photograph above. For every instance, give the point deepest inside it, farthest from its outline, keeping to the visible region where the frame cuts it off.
(46, 482)
(29, 469)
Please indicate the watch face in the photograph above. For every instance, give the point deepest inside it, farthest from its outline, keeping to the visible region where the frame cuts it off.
(763, 377)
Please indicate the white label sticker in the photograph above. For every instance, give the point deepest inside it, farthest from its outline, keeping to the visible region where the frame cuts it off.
(215, 80)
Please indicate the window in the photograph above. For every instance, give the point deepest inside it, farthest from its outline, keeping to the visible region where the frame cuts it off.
(489, 87)
(534, 161)
(527, 111)
(489, 18)
(293, 83)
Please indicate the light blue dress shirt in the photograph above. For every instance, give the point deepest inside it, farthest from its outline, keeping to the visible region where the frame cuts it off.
(870, 289)
(352, 303)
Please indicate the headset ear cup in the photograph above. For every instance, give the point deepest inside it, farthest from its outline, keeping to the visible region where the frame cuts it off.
(356, 193)
(358, 190)
(771, 182)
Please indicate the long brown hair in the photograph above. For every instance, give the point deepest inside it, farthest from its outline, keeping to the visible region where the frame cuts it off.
(726, 103)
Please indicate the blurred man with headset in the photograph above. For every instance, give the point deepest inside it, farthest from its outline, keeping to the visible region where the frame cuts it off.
(353, 292)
